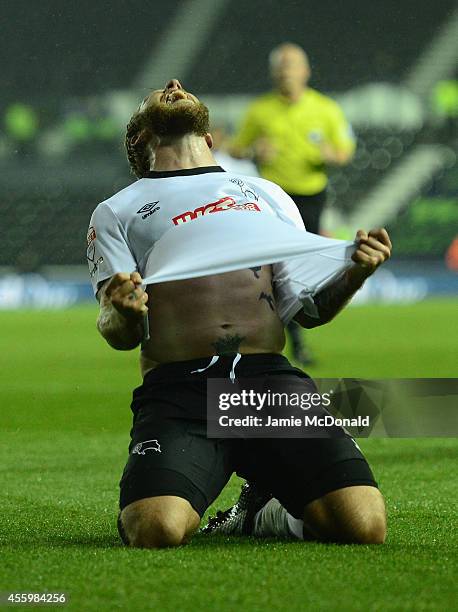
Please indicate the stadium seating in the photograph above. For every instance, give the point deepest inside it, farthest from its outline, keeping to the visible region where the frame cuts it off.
(378, 150)
(89, 47)
(49, 200)
(375, 44)
(48, 218)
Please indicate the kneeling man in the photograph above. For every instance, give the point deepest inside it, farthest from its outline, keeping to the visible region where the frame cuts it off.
(219, 325)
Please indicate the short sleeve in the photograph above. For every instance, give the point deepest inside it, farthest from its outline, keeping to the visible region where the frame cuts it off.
(107, 249)
(340, 132)
(286, 292)
(288, 207)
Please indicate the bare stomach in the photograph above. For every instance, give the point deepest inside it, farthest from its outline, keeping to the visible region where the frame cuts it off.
(213, 315)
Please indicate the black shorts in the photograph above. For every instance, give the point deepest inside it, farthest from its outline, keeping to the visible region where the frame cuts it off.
(170, 453)
(311, 209)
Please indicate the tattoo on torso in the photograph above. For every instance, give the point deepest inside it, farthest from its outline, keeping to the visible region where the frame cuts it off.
(228, 344)
(255, 271)
(269, 299)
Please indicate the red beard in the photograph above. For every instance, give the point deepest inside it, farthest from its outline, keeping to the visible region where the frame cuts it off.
(176, 120)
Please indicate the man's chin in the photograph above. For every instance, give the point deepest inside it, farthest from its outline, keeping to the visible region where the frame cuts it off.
(182, 116)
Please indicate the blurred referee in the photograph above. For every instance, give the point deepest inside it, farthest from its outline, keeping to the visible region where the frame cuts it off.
(292, 133)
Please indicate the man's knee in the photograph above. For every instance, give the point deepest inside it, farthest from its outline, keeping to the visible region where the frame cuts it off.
(369, 525)
(161, 532)
(354, 515)
(158, 522)
(369, 529)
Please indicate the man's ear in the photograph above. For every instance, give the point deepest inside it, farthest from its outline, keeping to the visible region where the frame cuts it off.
(209, 140)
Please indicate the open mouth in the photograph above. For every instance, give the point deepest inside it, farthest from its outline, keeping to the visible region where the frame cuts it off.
(175, 96)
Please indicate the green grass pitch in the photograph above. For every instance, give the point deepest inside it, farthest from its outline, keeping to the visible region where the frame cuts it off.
(65, 420)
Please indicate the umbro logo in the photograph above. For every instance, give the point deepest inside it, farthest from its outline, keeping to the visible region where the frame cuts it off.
(148, 209)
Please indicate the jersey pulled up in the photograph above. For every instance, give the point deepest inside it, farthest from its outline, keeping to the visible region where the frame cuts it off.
(189, 223)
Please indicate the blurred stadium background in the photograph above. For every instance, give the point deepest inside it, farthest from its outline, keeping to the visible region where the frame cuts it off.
(72, 74)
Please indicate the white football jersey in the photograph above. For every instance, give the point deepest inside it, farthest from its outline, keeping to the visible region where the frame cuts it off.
(196, 222)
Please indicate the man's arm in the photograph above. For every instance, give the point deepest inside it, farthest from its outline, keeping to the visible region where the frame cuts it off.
(339, 145)
(122, 311)
(373, 250)
(249, 142)
(261, 151)
(333, 155)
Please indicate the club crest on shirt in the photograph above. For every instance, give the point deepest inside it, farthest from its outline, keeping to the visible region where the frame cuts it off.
(315, 136)
(247, 191)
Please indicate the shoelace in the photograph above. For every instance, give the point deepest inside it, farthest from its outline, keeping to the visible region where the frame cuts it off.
(214, 359)
(237, 358)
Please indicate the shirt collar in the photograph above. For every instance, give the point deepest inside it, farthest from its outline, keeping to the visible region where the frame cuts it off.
(184, 172)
